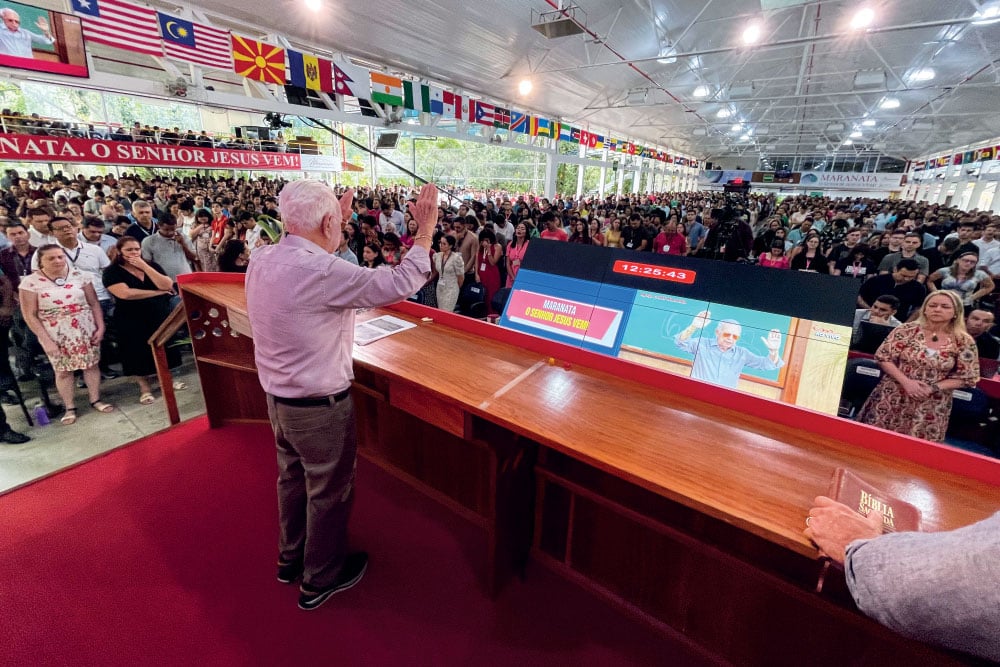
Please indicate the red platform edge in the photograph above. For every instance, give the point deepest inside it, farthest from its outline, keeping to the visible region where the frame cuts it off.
(933, 455)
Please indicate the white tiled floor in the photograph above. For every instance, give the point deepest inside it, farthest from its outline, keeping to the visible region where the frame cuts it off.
(55, 446)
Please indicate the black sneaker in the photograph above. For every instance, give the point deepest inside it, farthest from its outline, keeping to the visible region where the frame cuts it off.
(289, 572)
(109, 374)
(355, 566)
(12, 437)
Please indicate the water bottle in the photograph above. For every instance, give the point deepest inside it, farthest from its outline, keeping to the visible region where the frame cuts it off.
(41, 415)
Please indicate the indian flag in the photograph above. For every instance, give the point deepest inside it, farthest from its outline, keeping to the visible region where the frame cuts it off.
(387, 89)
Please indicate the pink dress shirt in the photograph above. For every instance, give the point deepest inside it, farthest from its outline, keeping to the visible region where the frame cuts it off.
(301, 303)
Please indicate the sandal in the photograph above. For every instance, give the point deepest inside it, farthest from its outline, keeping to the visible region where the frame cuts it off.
(101, 406)
(146, 398)
(179, 385)
(69, 417)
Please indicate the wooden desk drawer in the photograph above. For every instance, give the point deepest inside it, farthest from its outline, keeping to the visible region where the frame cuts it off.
(429, 407)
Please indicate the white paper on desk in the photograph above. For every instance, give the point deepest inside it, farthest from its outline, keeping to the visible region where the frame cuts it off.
(379, 327)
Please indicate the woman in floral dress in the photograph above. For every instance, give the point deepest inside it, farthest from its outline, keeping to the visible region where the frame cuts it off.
(922, 363)
(61, 308)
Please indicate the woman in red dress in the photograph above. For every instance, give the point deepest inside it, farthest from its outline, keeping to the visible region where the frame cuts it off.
(488, 266)
(516, 250)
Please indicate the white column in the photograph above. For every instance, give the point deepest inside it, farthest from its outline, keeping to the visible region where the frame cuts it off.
(604, 172)
(551, 172)
(579, 174)
(621, 179)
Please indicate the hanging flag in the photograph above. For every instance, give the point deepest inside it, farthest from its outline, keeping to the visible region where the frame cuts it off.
(501, 118)
(597, 141)
(450, 103)
(575, 135)
(437, 100)
(564, 133)
(421, 97)
(483, 113)
(194, 43)
(986, 153)
(121, 25)
(520, 122)
(351, 80)
(308, 71)
(258, 61)
(387, 89)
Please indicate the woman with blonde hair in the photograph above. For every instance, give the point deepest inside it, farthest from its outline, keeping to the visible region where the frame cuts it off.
(922, 363)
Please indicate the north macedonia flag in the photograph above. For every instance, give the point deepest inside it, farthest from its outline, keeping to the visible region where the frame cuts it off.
(259, 61)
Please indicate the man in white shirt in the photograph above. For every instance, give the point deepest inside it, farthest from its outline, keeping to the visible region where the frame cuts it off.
(17, 41)
(391, 220)
(988, 241)
(93, 233)
(38, 220)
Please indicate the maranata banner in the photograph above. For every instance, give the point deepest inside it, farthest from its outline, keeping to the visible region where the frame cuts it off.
(31, 148)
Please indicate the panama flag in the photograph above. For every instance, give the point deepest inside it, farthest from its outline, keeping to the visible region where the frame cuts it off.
(520, 122)
(483, 113)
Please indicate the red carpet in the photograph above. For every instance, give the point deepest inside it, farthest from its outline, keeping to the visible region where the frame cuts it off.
(162, 552)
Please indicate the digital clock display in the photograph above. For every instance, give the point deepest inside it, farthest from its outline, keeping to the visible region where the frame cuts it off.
(685, 276)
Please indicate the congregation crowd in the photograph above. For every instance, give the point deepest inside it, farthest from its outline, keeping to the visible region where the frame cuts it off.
(90, 263)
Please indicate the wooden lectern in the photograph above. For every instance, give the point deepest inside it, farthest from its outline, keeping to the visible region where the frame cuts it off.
(681, 502)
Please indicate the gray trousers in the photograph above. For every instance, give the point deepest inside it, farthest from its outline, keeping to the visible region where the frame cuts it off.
(317, 457)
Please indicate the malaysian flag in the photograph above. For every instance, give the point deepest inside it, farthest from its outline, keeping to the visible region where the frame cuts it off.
(121, 25)
(195, 43)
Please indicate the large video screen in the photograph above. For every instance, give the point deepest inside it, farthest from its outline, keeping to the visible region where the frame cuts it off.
(781, 335)
(41, 40)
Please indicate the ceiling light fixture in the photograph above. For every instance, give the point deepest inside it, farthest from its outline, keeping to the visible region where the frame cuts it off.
(889, 103)
(668, 55)
(314, 5)
(525, 87)
(869, 123)
(736, 127)
(987, 15)
(752, 34)
(922, 74)
(863, 18)
(745, 137)
(724, 113)
(856, 134)
(848, 142)
(701, 91)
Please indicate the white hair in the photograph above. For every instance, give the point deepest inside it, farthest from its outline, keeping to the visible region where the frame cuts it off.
(730, 324)
(7, 11)
(304, 203)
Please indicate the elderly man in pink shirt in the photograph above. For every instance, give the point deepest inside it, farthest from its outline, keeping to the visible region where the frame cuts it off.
(301, 299)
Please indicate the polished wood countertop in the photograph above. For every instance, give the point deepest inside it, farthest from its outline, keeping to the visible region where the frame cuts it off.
(746, 470)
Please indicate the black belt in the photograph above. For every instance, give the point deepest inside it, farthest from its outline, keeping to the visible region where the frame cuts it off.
(312, 401)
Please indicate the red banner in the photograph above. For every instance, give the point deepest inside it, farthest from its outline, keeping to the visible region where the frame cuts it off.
(31, 148)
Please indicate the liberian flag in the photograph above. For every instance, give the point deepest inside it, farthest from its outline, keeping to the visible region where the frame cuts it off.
(121, 25)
